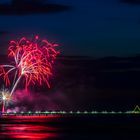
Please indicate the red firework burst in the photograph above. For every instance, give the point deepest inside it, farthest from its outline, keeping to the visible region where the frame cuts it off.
(32, 60)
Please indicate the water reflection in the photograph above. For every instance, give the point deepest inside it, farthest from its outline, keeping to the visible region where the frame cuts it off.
(97, 127)
(11, 130)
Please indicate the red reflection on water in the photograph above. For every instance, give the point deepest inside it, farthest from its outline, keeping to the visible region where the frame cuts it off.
(19, 129)
(29, 135)
(31, 118)
(27, 127)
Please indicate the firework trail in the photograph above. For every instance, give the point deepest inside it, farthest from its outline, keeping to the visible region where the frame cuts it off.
(32, 60)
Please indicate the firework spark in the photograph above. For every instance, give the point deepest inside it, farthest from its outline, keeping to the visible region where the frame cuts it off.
(5, 98)
(32, 60)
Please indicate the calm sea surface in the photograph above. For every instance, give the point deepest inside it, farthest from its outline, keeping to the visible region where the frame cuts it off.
(96, 127)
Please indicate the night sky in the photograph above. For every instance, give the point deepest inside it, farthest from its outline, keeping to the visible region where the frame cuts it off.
(96, 28)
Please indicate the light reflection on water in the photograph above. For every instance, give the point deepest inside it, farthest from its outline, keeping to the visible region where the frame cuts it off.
(112, 127)
(27, 129)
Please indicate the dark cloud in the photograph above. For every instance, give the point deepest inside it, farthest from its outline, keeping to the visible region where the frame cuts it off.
(33, 7)
(3, 32)
(3, 41)
(131, 1)
(85, 84)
